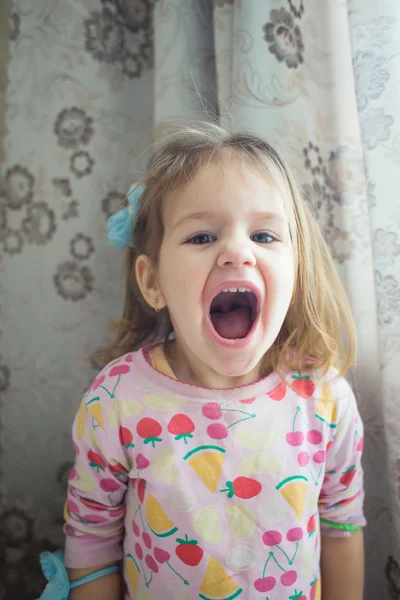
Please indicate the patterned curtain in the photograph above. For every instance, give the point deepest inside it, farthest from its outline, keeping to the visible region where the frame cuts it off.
(81, 81)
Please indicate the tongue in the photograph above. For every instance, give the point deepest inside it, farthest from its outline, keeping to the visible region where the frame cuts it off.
(232, 325)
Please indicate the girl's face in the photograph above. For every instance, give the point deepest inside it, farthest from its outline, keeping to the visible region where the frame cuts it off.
(226, 271)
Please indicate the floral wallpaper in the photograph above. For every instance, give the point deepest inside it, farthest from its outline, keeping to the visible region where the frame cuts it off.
(82, 82)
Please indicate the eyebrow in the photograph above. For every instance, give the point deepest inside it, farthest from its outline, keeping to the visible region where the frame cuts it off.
(214, 216)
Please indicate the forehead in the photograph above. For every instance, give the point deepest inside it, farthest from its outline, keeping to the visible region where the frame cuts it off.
(226, 186)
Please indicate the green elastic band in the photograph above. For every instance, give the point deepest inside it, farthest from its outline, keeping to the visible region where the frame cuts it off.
(339, 526)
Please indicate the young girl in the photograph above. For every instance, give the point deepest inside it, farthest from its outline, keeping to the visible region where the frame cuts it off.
(219, 453)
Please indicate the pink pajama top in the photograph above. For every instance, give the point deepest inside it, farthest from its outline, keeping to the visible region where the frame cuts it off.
(212, 494)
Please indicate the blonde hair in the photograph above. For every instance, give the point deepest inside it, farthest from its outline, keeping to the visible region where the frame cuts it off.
(318, 318)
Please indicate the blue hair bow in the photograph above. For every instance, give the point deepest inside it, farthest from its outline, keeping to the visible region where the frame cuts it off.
(121, 225)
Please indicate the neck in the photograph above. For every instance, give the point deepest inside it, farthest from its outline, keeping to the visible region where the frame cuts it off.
(189, 369)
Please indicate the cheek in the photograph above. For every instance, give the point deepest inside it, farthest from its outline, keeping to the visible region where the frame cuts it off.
(179, 281)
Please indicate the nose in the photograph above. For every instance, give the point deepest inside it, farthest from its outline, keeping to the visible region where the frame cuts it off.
(236, 254)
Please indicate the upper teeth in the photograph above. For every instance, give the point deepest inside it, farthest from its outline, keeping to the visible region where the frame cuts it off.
(240, 289)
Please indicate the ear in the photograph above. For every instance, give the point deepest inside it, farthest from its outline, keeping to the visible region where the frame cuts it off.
(148, 283)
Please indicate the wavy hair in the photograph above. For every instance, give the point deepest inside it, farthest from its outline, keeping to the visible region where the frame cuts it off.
(318, 329)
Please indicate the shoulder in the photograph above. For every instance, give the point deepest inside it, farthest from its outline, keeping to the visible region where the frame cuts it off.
(324, 388)
(116, 373)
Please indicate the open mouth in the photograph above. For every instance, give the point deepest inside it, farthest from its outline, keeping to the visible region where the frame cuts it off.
(233, 313)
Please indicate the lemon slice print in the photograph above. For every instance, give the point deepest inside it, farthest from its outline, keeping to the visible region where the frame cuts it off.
(94, 408)
(260, 462)
(163, 467)
(242, 521)
(163, 402)
(206, 525)
(133, 572)
(217, 584)
(325, 409)
(207, 462)
(159, 523)
(294, 490)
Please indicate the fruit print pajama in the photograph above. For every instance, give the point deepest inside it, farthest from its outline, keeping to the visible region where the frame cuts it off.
(212, 494)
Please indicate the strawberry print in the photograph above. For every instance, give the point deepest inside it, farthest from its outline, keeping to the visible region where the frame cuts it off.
(181, 427)
(311, 526)
(315, 588)
(278, 393)
(141, 488)
(242, 487)
(303, 385)
(247, 401)
(93, 504)
(297, 596)
(348, 476)
(149, 430)
(189, 552)
(118, 470)
(126, 437)
(96, 461)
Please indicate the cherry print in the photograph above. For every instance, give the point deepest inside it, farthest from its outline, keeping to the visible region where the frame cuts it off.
(93, 519)
(116, 371)
(265, 585)
(119, 512)
(126, 437)
(109, 486)
(319, 457)
(150, 430)
(147, 540)
(151, 563)
(303, 459)
(217, 431)
(141, 462)
(288, 578)
(295, 438)
(139, 551)
(360, 445)
(314, 437)
(295, 534)
(272, 538)
(72, 507)
(182, 427)
(161, 555)
(97, 382)
(119, 370)
(211, 410)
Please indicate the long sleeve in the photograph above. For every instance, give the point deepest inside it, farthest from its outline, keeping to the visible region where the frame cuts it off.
(95, 508)
(342, 494)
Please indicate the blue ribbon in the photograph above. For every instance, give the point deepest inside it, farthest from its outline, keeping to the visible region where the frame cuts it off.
(59, 586)
(121, 225)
